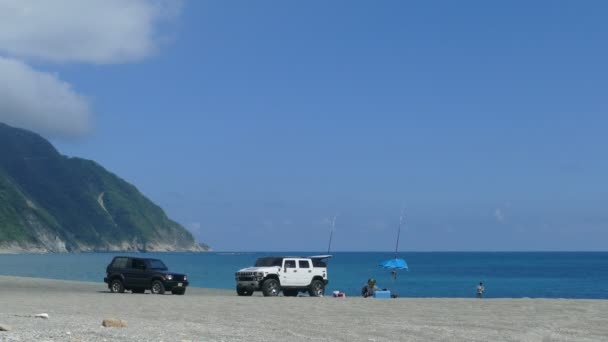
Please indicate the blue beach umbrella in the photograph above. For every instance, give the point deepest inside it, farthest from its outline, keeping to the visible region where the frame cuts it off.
(395, 263)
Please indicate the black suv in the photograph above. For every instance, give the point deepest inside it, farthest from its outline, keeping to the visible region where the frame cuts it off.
(141, 274)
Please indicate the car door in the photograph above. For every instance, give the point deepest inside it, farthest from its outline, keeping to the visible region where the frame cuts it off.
(136, 273)
(290, 273)
(304, 272)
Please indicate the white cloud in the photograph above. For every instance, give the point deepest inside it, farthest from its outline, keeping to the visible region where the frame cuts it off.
(40, 101)
(94, 31)
(63, 31)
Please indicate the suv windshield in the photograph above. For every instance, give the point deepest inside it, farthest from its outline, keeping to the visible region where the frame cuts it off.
(156, 264)
(268, 261)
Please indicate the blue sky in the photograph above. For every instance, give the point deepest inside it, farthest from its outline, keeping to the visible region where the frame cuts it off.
(254, 123)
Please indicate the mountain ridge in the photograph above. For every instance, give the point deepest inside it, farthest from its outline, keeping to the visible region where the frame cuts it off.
(53, 203)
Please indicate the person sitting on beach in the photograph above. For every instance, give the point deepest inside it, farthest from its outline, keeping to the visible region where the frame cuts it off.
(369, 289)
(480, 289)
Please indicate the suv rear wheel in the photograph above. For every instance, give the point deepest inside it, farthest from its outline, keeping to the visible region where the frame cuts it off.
(317, 288)
(157, 287)
(116, 286)
(271, 288)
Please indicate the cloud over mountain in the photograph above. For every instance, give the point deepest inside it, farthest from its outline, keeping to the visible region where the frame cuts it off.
(68, 31)
(41, 101)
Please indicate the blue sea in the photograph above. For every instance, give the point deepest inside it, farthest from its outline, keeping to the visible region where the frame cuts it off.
(431, 274)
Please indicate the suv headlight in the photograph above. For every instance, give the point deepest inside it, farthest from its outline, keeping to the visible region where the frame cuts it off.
(169, 277)
(185, 278)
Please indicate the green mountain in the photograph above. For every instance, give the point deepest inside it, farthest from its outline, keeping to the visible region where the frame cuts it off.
(53, 203)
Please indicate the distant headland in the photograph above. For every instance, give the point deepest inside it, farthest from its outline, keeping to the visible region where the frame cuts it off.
(51, 203)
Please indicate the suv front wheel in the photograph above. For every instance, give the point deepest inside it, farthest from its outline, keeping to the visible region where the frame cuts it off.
(116, 286)
(271, 288)
(157, 287)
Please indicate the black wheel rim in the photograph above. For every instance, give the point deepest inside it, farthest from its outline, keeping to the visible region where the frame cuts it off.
(273, 289)
(318, 289)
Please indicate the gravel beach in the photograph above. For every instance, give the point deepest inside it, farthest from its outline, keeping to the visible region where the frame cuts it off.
(76, 311)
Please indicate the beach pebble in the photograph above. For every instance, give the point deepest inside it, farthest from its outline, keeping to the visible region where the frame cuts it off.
(42, 315)
(114, 323)
(5, 327)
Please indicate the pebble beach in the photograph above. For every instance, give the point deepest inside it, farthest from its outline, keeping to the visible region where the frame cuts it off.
(76, 311)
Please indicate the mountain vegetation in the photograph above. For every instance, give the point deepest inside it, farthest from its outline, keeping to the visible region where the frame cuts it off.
(53, 203)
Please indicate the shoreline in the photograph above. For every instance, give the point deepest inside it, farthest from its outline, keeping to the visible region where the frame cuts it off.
(231, 291)
(76, 310)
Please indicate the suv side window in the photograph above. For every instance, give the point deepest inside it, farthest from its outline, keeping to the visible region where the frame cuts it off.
(120, 263)
(303, 264)
(138, 264)
(290, 264)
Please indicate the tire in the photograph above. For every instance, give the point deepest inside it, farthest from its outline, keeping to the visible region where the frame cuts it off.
(179, 292)
(290, 293)
(116, 286)
(243, 291)
(317, 288)
(271, 288)
(157, 287)
(138, 290)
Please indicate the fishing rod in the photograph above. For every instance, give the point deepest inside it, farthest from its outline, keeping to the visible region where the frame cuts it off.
(331, 233)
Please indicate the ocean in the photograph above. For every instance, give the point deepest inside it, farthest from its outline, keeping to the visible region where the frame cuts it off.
(431, 274)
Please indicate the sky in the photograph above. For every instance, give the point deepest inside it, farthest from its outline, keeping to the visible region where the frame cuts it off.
(254, 123)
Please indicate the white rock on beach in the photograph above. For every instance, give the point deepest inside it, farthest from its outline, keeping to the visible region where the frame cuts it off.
(5, 327)
(42, 315)
(114, 323)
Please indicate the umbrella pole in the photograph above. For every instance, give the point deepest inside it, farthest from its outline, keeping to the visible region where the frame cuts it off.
(398, 233)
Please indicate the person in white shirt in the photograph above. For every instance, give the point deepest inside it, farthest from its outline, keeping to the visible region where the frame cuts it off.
(480, 290)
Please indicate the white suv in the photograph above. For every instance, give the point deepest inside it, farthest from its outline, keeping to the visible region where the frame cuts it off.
(292, 275)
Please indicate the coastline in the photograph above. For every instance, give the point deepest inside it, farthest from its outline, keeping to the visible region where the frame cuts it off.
(76, 310)
(14, 249)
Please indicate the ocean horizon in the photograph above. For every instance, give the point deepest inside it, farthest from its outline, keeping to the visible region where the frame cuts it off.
(517, 274)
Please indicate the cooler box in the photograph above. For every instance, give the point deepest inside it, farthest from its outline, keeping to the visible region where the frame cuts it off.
(382, 294)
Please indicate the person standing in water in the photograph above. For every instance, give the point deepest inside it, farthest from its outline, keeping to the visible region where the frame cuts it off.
(480, 290)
